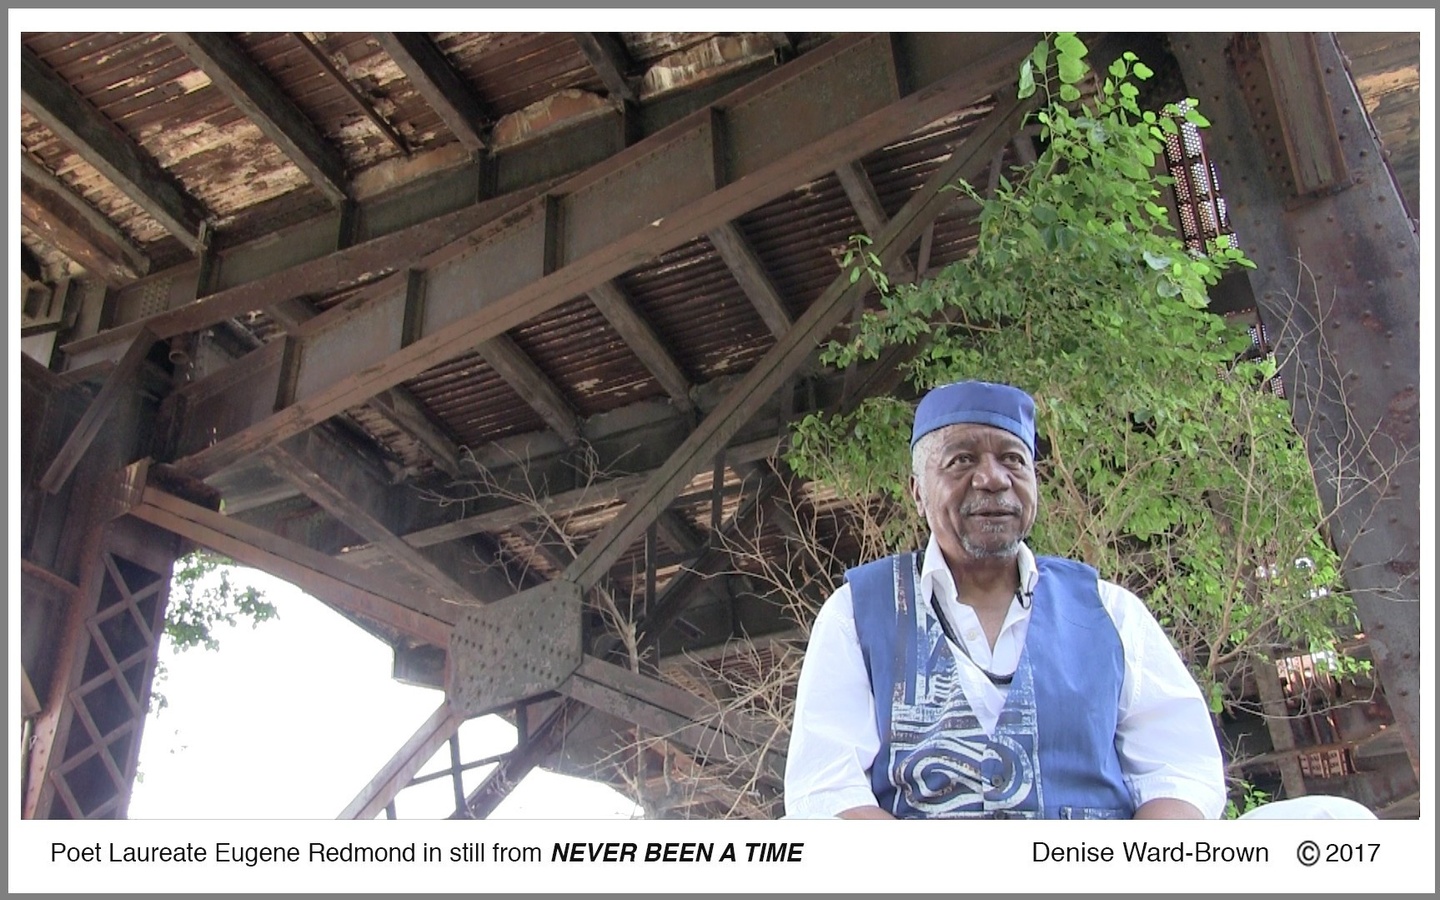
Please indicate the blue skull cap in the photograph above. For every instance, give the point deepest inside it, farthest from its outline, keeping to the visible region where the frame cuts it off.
(978, 402)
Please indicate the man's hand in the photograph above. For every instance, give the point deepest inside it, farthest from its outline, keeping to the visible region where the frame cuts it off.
(864, 812)
(1167, 808)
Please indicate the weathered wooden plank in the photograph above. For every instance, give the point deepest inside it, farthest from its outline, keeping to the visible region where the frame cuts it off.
(610, 60)
(400, 406)
(642, 340)
(533, 385)
(742, 261)
(263, 102)
(361, 102)
(1317, 161)
(441, 86)
(860, 191)
(76, 228)
(102, 144)
(355, 513)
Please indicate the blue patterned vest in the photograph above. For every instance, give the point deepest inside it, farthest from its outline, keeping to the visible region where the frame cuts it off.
(1052, 754)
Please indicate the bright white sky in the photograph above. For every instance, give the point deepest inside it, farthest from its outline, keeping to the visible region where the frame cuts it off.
(292, 718)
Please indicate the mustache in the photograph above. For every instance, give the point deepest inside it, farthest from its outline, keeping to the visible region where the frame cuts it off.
(990, 507)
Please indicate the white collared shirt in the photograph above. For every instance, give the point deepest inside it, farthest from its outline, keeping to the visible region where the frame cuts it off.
(1164, 735)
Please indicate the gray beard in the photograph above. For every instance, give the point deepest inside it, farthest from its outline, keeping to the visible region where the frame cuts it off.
(1005, 551)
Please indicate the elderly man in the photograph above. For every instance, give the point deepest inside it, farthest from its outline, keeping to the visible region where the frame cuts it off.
(979, 680)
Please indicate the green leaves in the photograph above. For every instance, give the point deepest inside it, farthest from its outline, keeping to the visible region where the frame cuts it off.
(203, 596)
(1168, 467)
(1070, 58)
(1027, 80)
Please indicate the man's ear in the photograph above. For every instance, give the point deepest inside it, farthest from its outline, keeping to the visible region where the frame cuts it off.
(915, 495)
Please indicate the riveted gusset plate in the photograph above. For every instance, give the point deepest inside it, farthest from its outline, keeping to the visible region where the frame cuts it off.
(514, 649)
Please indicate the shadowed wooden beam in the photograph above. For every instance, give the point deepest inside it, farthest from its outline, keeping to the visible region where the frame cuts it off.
(354, 490)
(610, 60)
(262, 101)
(642, 341)
(334, 500)
(742, 262)
(361, 102)
(533, 385)
(502, 518)
(860, 190)
(117, 384)
(72, 226)
(437, 81)
(402, 409)
(103, 145)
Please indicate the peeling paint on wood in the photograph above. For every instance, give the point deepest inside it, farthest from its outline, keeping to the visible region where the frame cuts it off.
(701, 63)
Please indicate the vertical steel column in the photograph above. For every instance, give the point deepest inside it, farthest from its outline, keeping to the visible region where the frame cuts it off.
(1338, 283)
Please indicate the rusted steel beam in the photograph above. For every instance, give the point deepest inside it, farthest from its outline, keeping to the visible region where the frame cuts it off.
(102, 144)
(698, 575)
(52, 726)
(1337, 282)
(397, 404)
(620, 312)
(263, 102)
(442, 87)
(396, 774)
(742, 261)
(119, 382)
(396, 251)
(75, 228)
(353, 488)
(536, 745)
(789, 354)
(368, 594)
(321, 487)
(507, 515)
(692, 177)
(610, 60)
(668, 712)
(396, 232)
(512, 514)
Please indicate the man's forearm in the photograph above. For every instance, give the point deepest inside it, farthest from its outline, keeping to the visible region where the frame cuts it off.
(865, 812)
(1167, 808)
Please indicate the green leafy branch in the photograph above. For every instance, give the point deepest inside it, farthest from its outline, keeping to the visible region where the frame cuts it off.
(1167, 463)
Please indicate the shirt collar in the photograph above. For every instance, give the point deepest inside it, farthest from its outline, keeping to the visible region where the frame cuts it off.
(935, 576)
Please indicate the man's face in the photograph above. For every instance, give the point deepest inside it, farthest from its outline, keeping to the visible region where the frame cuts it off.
(977, 492)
